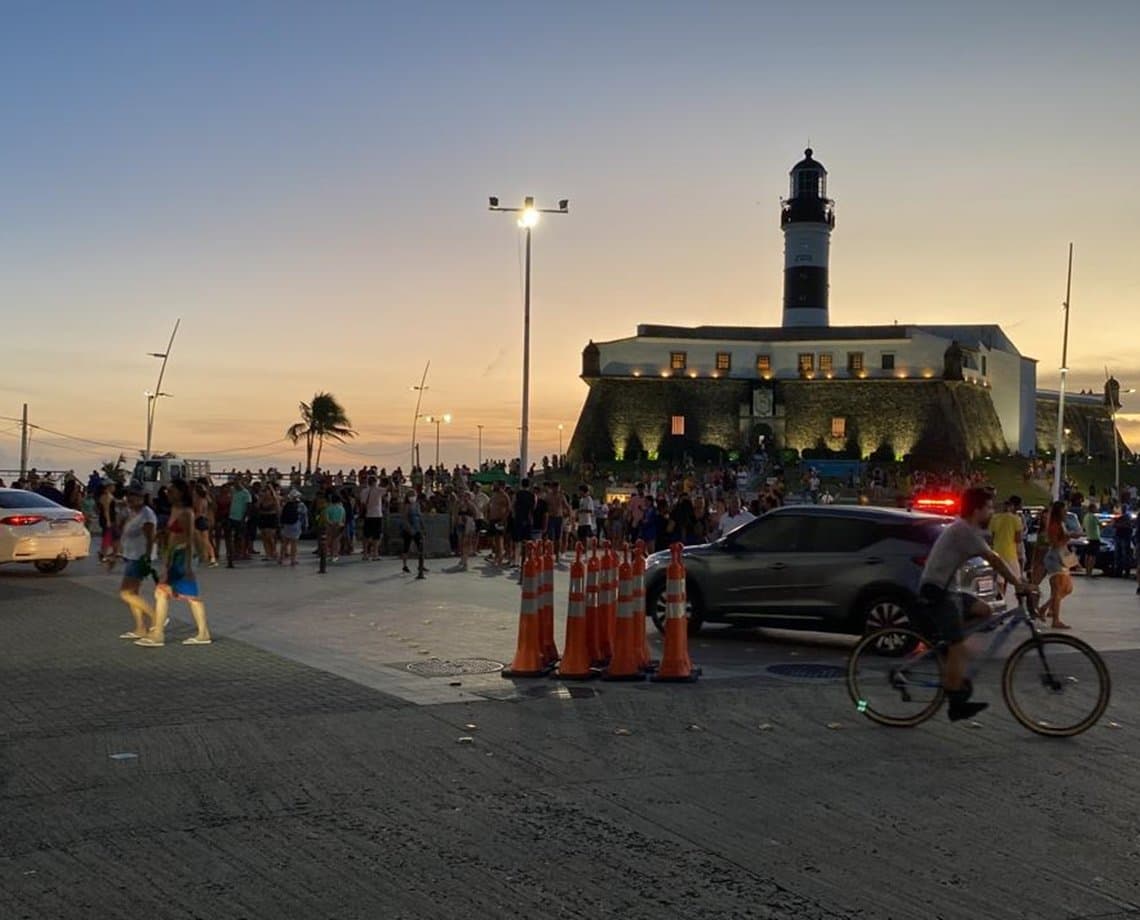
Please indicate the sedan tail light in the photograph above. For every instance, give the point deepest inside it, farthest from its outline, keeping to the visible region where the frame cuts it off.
(920, 561)
(21, 520)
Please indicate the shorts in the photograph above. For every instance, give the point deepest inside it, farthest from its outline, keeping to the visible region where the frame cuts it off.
(267, 522)
(521, 532)
(585, 532)
(497, 528)
(137, 569)
(1053, 563)
(291, 531)
(554, 528)
(373, 527)
(163, 520)
(942, 613)
(1093, 549)
(467, 525)
(416, 538)
(179, 583)
(201, 523)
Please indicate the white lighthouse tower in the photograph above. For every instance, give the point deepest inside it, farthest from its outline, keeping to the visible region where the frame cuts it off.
(807, 217)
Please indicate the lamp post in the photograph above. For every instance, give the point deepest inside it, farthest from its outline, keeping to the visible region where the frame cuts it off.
(437, 420)
(1064, 375)
(415, 418)
(1065, 455)
(1116, 442)
(560, 427)
(528, 216)
(479, 466)
(152, 398)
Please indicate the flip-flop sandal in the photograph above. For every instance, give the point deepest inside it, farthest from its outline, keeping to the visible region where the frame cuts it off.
(147, 642)
(194, 640)
(132, 635)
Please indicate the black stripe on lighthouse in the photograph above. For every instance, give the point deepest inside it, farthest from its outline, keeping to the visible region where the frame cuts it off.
(805, 286)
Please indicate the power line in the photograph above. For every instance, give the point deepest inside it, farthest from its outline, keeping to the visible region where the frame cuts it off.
(69, 437)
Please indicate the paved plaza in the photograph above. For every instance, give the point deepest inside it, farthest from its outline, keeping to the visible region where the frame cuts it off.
(299, 768)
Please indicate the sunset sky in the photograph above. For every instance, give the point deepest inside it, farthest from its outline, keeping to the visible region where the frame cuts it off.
(305, 185)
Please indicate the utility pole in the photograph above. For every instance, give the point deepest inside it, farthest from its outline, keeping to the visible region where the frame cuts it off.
(152, 399)
(1061, 397)
(415, 419)
(24, 443)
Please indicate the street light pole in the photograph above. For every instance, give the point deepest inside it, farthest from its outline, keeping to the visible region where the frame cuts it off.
(1064, 375)
(437, 420)
(415, 418)
(480, 464)
(560, 427)
(150, 406)
(528, 216)
(1116, 444)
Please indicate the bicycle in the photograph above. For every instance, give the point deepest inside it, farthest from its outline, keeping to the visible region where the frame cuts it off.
(898, 665)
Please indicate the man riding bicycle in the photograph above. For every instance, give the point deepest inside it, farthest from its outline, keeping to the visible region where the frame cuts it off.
(947, 608)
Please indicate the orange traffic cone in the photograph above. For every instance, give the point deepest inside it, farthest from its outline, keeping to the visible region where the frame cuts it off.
(626, 661)
(607, 601)
(576, 658)
(593, 606)
(675, 663)
(639, 611)
(528, 660)
(546, 605)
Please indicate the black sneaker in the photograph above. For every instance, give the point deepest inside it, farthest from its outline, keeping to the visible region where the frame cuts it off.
(964, 709)
(406, 569)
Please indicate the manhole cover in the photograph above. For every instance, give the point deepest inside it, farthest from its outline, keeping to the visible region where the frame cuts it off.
(436, 667)
(807, 671)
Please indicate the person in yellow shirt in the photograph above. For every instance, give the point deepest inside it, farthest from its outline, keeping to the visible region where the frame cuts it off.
(1008, 531)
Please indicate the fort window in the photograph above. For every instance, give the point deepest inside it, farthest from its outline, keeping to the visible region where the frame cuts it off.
(723, 361)
(888, 361)
(678, 426)
(839, 427)
(826, 364)
(807, 363)
(855, 361)
(678, 360)
(763, 364)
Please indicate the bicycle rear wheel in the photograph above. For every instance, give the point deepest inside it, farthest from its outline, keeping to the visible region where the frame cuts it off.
(894, 677)
(1056, 685)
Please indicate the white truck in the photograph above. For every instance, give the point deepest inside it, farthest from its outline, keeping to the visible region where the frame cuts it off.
(162, 469)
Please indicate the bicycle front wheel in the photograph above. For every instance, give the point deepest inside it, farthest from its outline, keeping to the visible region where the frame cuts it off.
(895, 677)
(1056, 685)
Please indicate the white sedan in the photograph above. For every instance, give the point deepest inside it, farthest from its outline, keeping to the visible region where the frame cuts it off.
(35, 529)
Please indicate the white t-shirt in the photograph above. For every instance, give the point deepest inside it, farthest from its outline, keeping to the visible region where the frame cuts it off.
(586, 511)
(729, 522)
(373, 500)
(134, 540)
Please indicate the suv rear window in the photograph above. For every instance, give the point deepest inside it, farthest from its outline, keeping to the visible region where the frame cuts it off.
(924, 531)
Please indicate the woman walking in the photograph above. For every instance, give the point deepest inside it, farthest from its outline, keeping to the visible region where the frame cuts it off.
(106, 509)
(178, 581)
(203, 525)
(268, 519)
(1057, 565)
(138, 550)
(294, 521)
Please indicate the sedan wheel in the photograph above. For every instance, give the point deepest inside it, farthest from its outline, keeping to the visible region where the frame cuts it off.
(51, 566)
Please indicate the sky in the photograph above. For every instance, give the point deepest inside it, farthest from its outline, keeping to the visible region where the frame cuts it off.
(304, 185)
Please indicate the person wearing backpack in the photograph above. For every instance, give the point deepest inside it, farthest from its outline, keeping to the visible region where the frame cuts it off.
(294, 521)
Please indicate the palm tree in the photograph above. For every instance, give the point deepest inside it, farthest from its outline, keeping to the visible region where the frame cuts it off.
(322, 418)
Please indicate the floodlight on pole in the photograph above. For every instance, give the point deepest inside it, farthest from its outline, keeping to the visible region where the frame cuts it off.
(438, 420)
(527, 218)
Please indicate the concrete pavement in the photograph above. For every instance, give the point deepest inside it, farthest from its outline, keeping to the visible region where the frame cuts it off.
(236, 781)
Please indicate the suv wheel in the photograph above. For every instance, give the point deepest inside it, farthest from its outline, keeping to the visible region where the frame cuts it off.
(655, 605)
(51, 566)
(881, 611)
